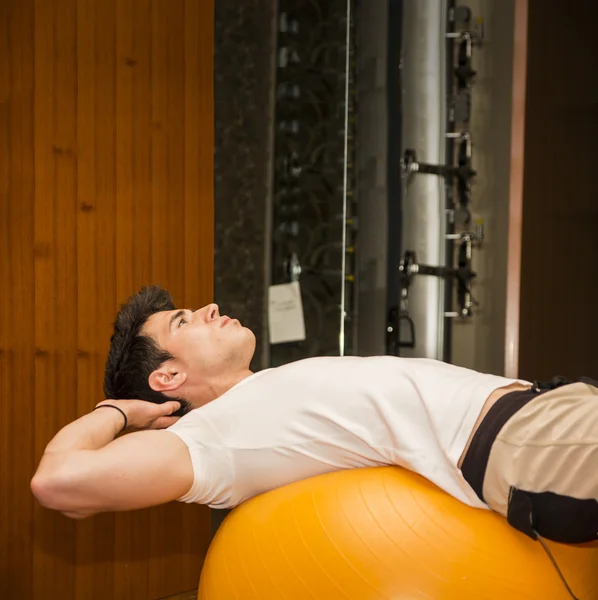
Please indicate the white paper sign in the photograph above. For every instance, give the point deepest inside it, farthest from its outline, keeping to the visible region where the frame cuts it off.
(285, 313)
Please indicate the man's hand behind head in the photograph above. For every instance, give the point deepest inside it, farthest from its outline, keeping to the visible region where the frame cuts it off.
(142, 414)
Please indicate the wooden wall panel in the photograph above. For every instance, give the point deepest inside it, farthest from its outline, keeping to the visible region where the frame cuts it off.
(17, 310)
(559, 272)
(95, 572)
(55, 269)
(199, 154)
(198, 217)
(106, 147)
(518, 92)
(130, 581)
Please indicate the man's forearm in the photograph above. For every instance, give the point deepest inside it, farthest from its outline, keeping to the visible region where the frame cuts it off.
(85, 470)
(65, 452)
(89, 432)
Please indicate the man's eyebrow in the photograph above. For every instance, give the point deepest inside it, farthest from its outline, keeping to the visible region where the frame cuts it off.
(174, 317)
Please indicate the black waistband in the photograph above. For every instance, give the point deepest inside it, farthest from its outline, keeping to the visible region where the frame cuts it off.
(476, 459)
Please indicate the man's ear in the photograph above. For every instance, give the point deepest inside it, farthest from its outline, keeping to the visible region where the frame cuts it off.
(166, 379)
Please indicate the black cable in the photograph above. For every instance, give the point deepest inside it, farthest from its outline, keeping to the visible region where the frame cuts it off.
(555, 564)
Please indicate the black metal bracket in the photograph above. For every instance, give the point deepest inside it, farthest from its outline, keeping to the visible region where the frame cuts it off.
(470, 34)
(463, 274)
(464, 72)
(461, 174)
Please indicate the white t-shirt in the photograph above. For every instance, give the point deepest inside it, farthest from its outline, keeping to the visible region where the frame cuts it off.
(320, 415)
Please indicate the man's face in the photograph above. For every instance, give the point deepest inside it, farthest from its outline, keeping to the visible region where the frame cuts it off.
(206, 344)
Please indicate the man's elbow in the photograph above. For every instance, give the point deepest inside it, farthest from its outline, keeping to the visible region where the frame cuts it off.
(42, 489)
(78, 515)
(52, 492)
(46, 490)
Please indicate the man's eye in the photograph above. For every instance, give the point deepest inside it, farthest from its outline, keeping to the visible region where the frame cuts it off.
(181, 322)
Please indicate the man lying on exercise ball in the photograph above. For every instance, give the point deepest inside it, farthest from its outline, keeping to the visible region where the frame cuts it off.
(208, 430)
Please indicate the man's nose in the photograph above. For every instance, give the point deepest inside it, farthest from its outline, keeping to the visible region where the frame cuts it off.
(212, 312)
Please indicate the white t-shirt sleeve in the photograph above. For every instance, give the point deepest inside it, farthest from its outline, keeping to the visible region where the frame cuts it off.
(212, 479)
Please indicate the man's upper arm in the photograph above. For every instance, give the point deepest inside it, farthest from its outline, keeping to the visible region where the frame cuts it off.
(135, 471)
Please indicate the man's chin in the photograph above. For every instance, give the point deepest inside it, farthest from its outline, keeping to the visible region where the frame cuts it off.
(252, 338)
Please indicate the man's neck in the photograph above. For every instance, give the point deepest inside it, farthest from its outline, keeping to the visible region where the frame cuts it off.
(222, 386)
(214, 389)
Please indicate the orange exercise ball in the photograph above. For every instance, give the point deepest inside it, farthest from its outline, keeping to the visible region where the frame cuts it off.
(383, 533)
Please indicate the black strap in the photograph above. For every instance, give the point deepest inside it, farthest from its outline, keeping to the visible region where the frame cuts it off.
(476, 459)
(122, 412)
(559, 381)
(520, 512)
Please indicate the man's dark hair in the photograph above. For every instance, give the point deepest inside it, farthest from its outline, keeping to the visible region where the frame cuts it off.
(133, 356)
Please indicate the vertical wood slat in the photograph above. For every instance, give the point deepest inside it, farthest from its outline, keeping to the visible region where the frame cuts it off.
(116, 196)
(6, 329)
(17, 333)
(126, 63)
(159, 125)
(142, 131)
(515, 229)
(199, 155)
(131, 529)
(55, 273)
(559, 289)
(166, 256)
(95, 538)
(199, 215)
(86, 265)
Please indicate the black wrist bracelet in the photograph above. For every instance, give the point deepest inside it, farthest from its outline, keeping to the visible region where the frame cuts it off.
(122, 412)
